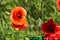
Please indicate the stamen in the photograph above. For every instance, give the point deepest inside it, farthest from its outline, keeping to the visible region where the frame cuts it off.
(19, 16)
(51, 29)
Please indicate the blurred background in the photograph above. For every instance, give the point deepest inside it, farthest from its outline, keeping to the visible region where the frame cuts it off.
(38, 11)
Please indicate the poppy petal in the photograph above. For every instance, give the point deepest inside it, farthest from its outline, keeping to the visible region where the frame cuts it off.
(57, 35)
(20, 27)
(19, 21)
(19, 9)
(25, 26)
(58, 5)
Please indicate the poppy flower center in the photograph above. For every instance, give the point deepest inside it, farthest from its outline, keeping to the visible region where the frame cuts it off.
(51, 29)
(19, 16)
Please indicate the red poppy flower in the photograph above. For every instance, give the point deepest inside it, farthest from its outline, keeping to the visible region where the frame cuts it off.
(51, 37)
(49, 27)
(20, 27)
(18, 15)
(58, 5)
(56, 30)
(55, 36)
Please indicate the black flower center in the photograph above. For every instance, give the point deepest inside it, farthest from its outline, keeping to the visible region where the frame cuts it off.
(51, 29)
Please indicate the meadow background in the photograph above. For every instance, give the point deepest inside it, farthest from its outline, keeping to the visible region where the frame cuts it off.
(38, 11)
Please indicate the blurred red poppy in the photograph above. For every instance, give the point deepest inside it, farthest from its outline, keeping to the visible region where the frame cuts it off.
(18, 15)
(56, 30)
(58, 5)
(55, 36)
(20, 27)
(49, 27)
(51, 37)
